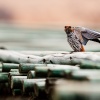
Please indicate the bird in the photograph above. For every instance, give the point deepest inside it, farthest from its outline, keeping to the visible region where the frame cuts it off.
(77, 37)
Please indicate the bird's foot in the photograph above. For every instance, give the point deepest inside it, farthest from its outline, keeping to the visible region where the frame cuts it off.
(72, 52)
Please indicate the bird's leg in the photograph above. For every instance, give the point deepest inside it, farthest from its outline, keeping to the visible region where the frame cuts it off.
(72, 52)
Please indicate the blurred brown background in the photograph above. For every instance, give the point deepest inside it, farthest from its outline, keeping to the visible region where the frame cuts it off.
(35, 13)
(39, 24)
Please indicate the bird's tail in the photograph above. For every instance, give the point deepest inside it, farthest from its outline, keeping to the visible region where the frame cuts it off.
(96, 40)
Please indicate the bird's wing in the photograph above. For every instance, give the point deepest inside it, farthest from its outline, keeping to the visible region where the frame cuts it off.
(78, 33)
(86, 34)
(85, 40)
(90, 34)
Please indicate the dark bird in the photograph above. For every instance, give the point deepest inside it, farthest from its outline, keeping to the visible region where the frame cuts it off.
(79, 36)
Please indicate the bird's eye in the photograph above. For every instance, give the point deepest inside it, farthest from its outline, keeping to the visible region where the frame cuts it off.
(65, 26)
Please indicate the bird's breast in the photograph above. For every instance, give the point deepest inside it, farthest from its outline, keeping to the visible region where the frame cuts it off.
(74, 42)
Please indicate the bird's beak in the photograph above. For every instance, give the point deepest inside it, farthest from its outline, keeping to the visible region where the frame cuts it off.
(66, 30)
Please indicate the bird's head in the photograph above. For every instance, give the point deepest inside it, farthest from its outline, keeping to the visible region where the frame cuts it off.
(68, 29)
